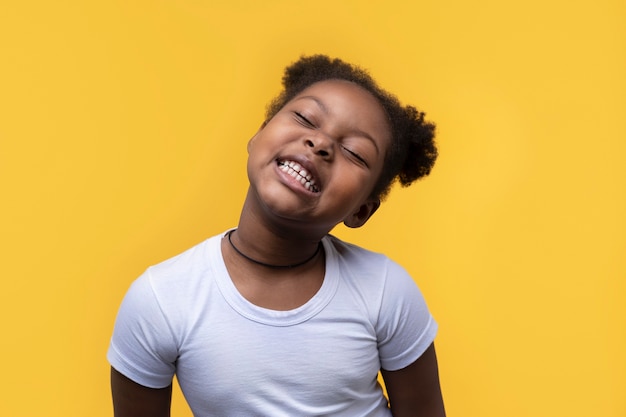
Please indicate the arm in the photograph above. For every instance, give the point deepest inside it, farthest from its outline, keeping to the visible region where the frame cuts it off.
(133, 400)
(415, 390)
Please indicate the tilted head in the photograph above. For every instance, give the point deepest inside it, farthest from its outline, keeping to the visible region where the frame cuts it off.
(412, 153)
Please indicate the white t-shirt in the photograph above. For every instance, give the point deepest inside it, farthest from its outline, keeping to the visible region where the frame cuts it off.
(232, 358)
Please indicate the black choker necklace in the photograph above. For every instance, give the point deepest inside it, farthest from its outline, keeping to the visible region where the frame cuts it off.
(310, 258)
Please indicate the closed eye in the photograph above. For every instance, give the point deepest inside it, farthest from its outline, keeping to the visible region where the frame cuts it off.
(356, 156)
(303, 120)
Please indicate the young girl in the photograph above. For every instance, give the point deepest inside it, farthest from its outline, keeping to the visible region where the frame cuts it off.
(277, 317)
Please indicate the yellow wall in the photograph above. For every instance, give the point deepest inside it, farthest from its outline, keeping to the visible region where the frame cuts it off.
(122, 142)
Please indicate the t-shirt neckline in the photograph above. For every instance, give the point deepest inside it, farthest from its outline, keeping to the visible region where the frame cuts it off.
(280, 318)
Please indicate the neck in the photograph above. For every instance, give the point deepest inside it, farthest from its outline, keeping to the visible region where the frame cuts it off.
(271, 265)
(259, 226)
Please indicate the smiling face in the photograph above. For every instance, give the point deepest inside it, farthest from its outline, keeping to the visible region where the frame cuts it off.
(317, 160)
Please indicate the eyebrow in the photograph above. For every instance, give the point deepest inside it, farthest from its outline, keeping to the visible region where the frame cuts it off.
(324, 109)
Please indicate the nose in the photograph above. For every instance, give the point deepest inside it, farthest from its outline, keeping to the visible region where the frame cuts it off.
(321, 145)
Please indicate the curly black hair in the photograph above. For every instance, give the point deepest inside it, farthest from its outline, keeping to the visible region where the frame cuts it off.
(412, 153)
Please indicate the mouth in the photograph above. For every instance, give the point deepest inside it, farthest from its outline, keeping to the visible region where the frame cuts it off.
(300, 174)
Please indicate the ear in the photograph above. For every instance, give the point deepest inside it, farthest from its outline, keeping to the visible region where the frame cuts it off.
(362, 215)
(255, 135)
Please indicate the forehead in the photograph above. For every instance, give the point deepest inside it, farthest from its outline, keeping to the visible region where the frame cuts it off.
(341, 90)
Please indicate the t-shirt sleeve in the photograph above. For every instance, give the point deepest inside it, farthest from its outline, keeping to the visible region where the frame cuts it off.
(405, 326)
(143, 347)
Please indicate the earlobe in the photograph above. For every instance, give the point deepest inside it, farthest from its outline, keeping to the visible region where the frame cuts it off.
(360, 217)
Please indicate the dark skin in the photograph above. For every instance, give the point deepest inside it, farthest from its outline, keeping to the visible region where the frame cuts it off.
(282, 223)
(133, 400)
(415, 390)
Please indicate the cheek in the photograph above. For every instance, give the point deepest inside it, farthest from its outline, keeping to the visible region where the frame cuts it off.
(252, 143)
(378, 171)
(356, 186)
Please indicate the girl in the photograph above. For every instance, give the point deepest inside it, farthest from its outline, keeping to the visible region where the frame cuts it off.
(277, 317)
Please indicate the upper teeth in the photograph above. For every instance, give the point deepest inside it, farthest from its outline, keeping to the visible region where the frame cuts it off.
(295, 170)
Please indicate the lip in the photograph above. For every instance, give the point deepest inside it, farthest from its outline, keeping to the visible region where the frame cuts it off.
(307, 165)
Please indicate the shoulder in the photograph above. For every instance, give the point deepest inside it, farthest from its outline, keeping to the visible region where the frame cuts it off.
(372, 275)
(403, 324)
(166, 293)
(349, 253)
(356, 261)
(190, 260)
(177, 281)
(183, 270)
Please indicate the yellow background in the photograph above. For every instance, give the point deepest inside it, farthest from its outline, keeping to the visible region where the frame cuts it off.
(123, 127)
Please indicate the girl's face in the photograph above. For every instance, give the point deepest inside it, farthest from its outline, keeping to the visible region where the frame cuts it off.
(317, 160)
